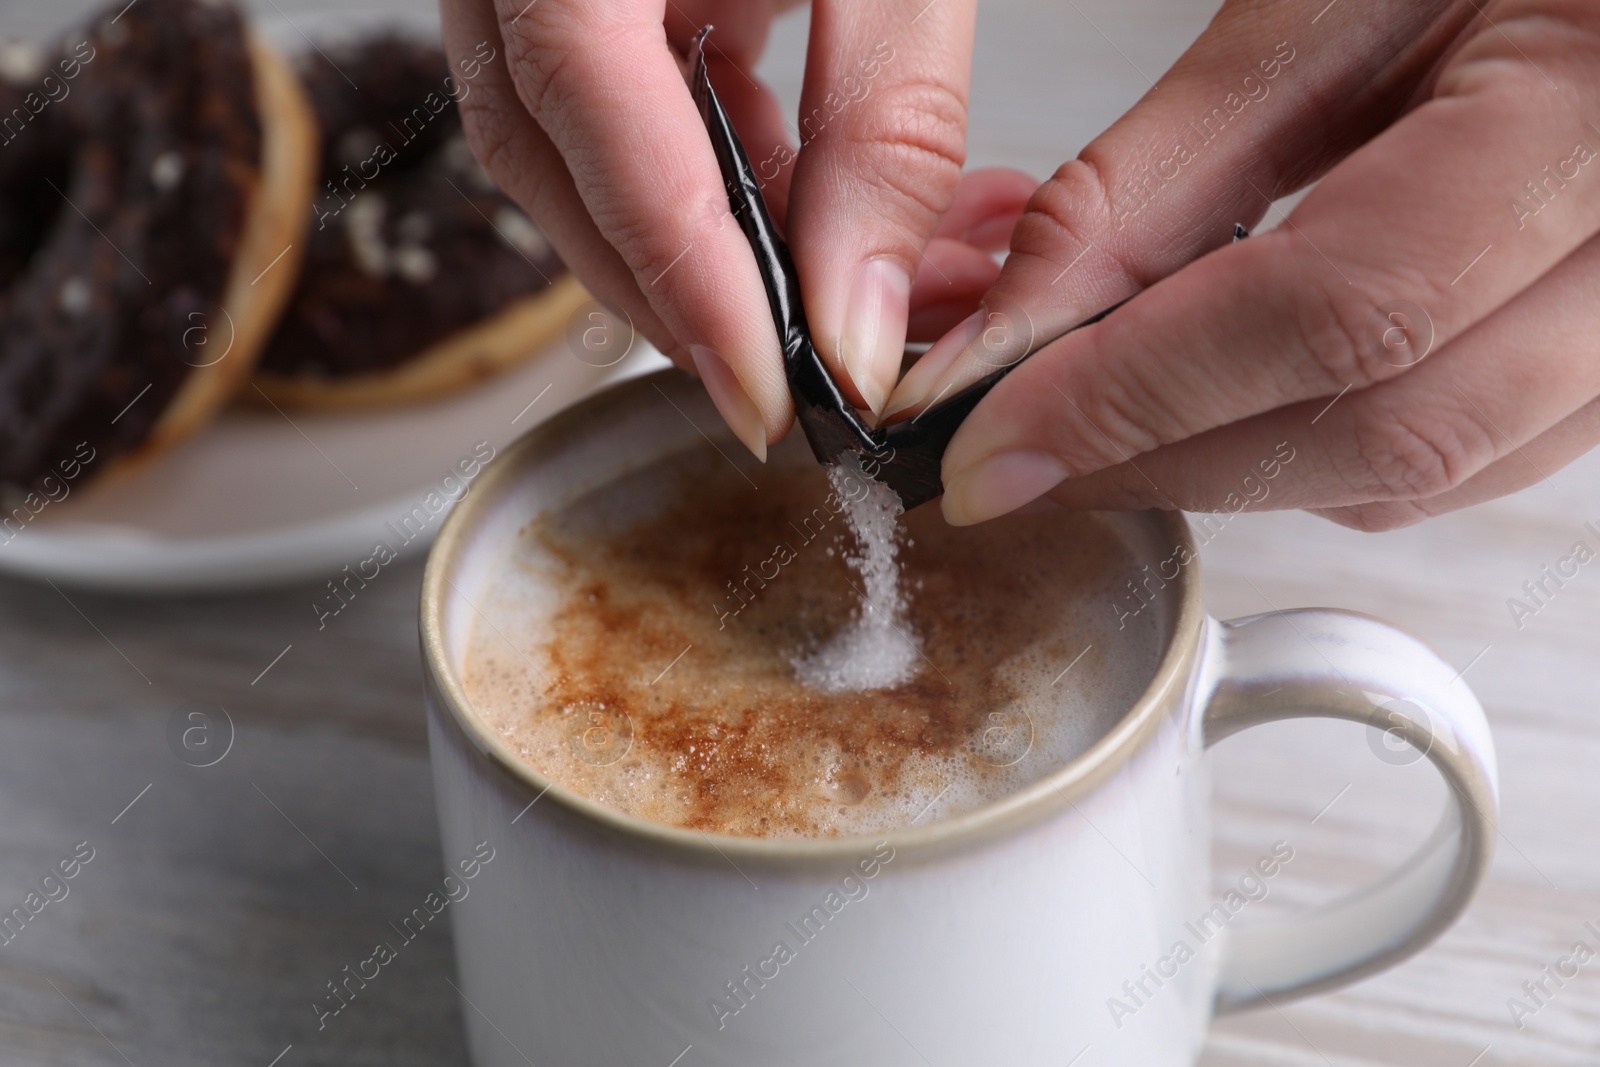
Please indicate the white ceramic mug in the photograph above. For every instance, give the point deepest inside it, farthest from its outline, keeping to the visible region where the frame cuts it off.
(1071, 919)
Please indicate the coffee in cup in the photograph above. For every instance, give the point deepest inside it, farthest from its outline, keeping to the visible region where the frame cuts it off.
(614, 614)
(654, 644)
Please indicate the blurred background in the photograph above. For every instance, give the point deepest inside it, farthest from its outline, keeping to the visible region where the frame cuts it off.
(222, 898)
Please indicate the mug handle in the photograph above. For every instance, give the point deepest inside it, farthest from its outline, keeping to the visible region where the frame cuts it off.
(1317, 663)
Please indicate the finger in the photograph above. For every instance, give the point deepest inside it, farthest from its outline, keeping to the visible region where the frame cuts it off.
(1531, 464)
(957, 266)
(883, 131)
(523, 163)
(951, 279)
(1301, 312)
(986, 207)
(605, 85)
(1225, 131)
(1471, 411)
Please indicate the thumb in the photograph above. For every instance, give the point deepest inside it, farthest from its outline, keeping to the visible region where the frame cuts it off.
(883, 131)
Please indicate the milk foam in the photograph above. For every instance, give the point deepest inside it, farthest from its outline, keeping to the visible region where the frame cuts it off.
(598, 661)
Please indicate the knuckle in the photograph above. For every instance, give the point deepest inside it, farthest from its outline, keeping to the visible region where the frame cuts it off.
(911, 142)
(552, 46)
(1117, 421)
(488, 133)
(1349, 335)
(1335, 327)
(551, 85)
(641, 248)
(503, 150)
(1406, 457)
(492, 137)
(551, 23)
(1140, 401)
(1066, 215)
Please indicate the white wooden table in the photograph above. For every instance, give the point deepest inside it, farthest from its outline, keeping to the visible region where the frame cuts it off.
(217, 905)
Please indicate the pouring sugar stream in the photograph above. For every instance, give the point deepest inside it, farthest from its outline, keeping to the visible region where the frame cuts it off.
(879, 648)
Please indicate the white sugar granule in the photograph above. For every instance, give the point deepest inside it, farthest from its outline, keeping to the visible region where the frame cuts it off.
(877, 648)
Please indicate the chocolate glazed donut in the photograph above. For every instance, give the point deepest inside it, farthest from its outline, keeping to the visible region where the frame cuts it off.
(421, 276)
(146, 197)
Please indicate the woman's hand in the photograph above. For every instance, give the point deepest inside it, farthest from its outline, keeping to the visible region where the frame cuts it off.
(587, 122)
(1421, 333)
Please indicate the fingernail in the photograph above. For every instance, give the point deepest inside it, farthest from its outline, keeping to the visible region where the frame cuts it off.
(873, 338)
(929, 371)
(998, 484)
(735, 405)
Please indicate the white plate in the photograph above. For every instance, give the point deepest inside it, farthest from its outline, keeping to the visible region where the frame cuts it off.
(263, 497)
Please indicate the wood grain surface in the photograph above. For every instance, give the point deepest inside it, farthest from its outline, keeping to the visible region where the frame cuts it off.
(220, 900)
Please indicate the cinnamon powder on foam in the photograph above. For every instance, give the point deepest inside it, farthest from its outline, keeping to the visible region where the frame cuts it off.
(645, 640)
